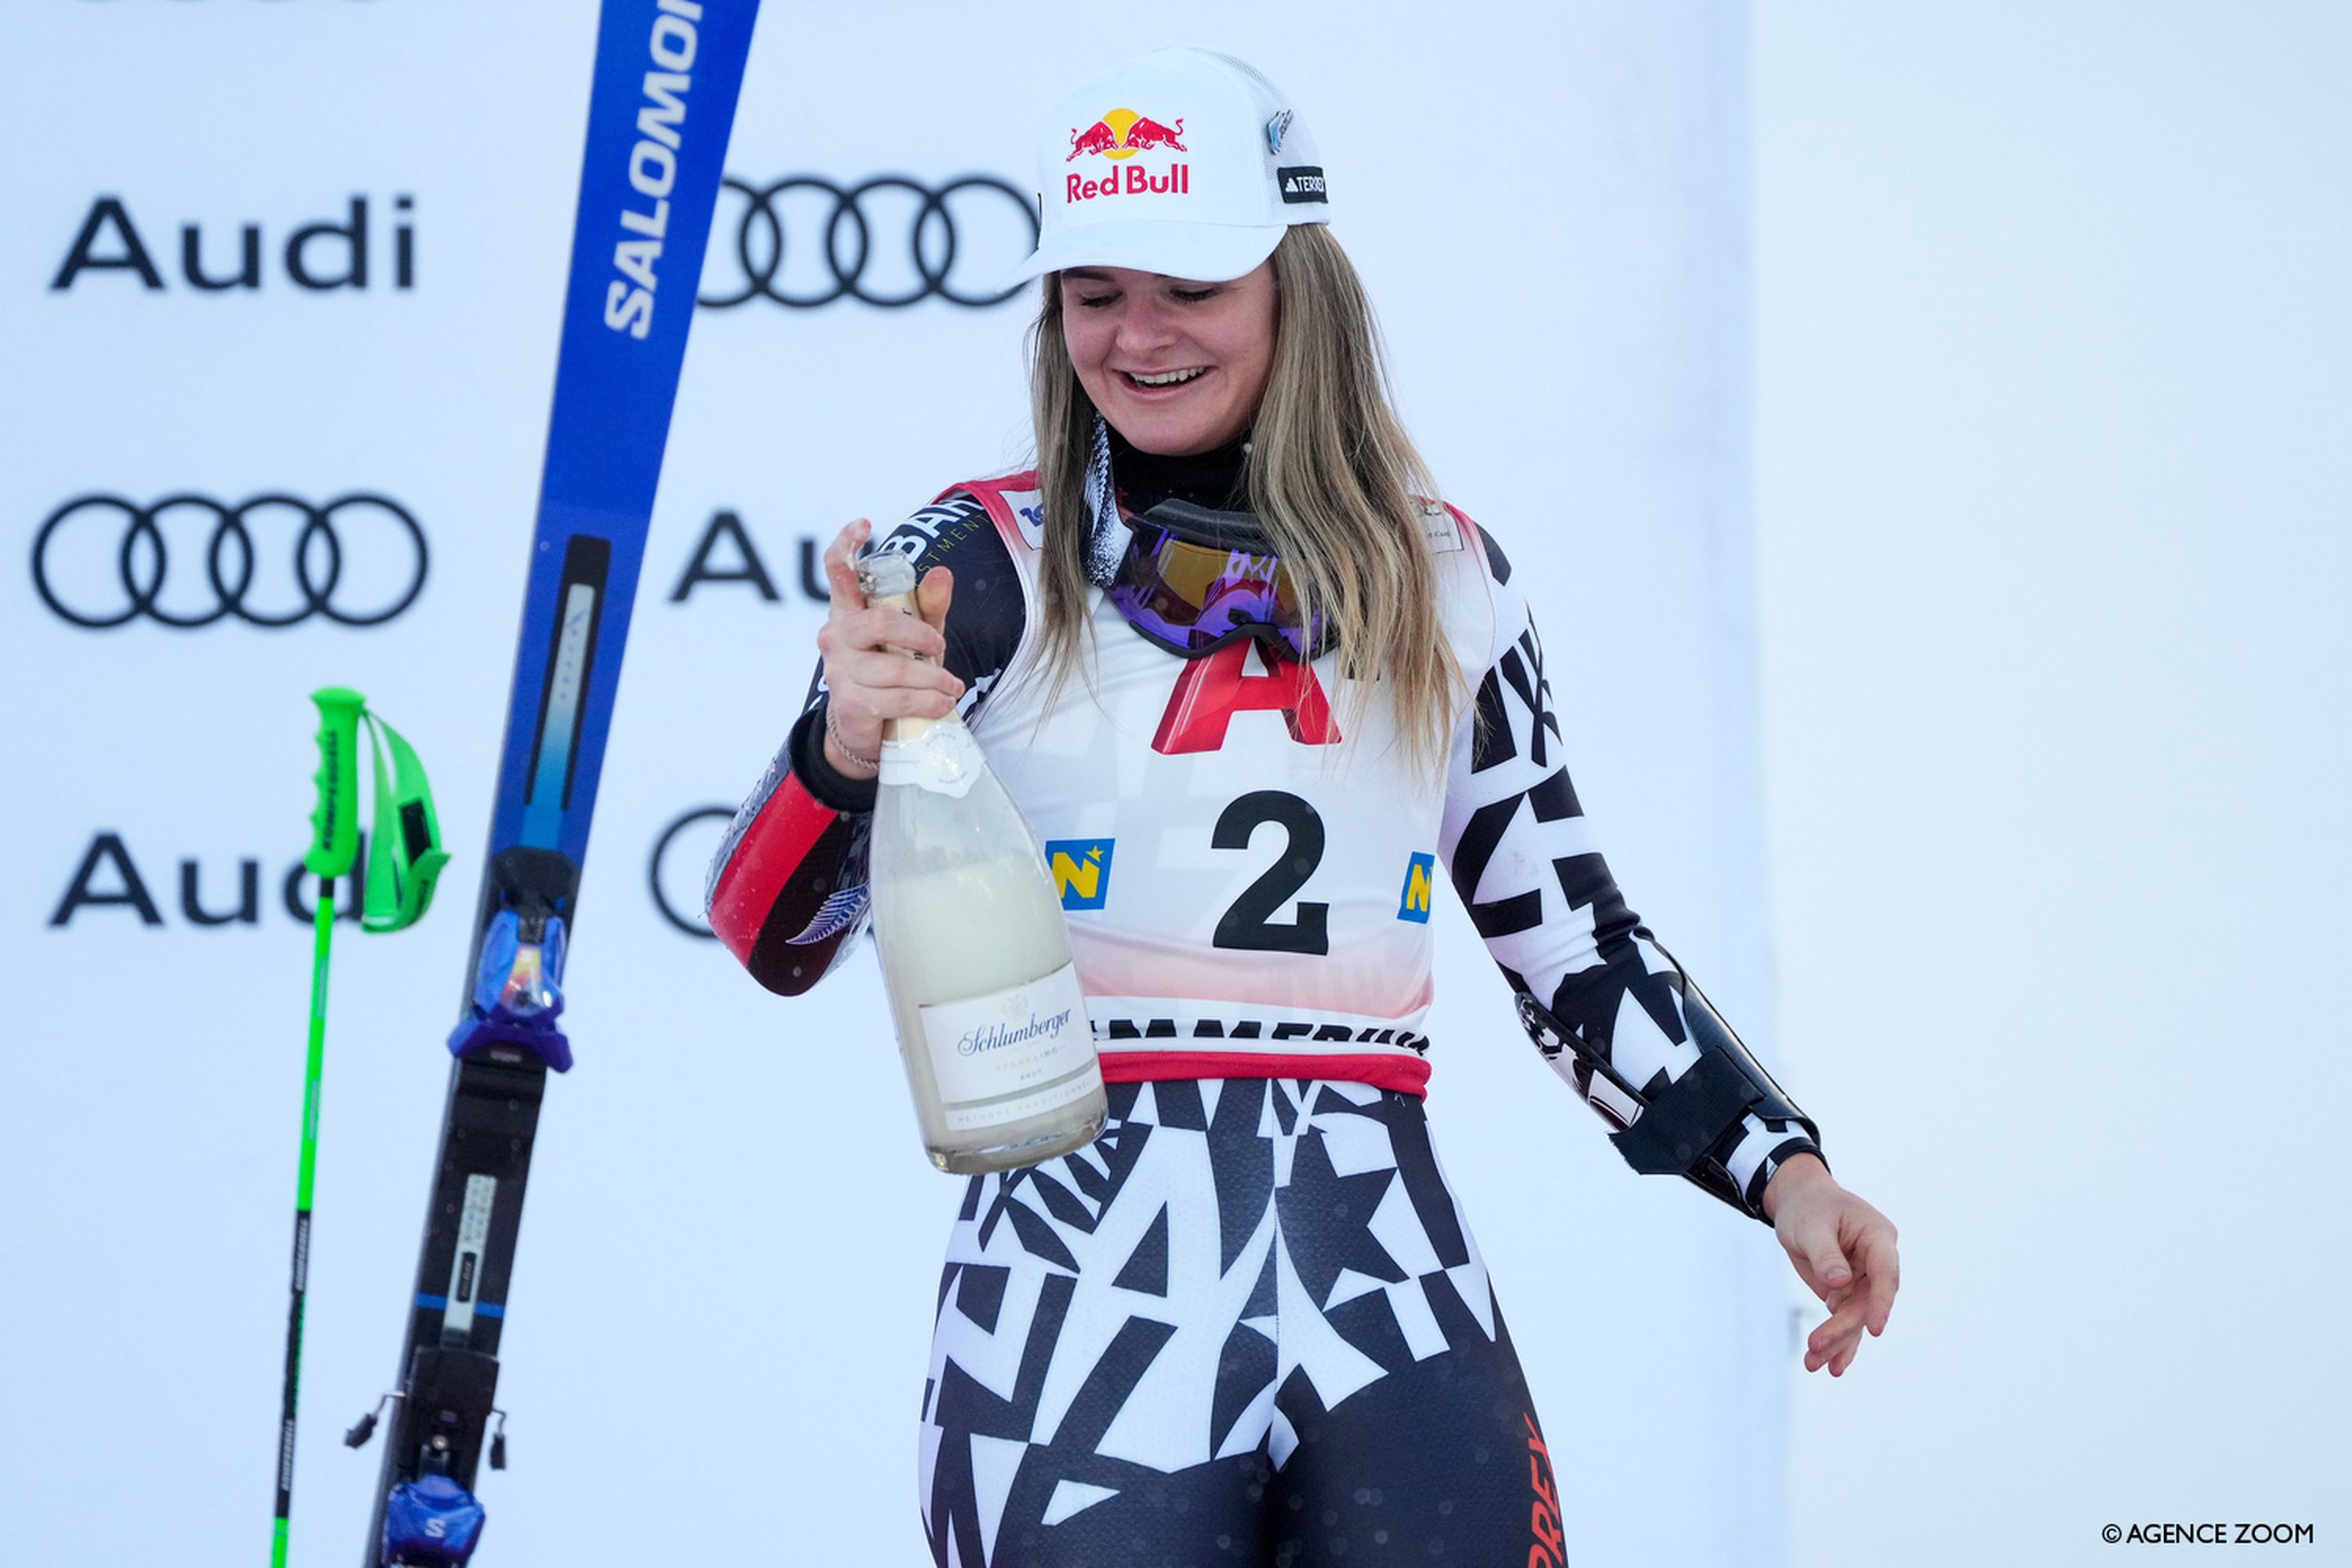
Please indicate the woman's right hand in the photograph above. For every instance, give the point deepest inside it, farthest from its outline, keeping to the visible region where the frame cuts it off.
(869, 680)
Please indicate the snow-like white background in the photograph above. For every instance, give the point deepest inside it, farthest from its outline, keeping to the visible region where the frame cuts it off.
(2054, 495)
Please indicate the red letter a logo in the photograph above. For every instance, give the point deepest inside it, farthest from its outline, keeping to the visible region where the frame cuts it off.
(1212, 689)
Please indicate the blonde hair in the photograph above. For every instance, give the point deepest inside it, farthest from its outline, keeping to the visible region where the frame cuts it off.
(1330, 473)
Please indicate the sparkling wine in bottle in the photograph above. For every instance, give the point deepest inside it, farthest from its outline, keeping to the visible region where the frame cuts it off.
(992, 1028)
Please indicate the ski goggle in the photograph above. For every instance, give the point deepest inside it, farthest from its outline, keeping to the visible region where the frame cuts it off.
(1195, 580)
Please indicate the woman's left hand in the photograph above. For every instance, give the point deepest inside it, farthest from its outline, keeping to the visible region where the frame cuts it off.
(1842, 1248)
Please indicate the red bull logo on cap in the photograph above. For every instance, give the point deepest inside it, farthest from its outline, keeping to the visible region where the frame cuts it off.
(1121, 134)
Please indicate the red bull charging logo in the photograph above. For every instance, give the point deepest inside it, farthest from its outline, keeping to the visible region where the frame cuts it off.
(1121, 134)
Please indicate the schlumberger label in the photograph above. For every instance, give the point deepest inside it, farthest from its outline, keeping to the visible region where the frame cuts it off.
(1013, 1053)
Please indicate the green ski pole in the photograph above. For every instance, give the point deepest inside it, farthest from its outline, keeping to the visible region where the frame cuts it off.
(333, 845)
(405, 859)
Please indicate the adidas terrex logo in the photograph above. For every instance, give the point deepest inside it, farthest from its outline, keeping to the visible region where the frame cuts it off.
(1302, 182)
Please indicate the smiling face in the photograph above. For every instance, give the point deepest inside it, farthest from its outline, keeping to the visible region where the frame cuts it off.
(1176, 367)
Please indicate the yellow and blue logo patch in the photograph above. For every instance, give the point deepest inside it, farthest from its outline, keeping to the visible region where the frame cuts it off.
(1419, 872)
(1081, 868)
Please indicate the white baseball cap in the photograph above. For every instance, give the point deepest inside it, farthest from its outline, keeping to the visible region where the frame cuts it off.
(1184, 162)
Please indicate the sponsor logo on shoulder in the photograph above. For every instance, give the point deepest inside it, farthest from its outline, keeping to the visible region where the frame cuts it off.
(934, 529)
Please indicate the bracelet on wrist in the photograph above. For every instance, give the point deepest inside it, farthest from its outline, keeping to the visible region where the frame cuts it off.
(833, 732)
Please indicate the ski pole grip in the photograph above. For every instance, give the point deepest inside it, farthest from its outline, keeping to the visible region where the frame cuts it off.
(334, 822)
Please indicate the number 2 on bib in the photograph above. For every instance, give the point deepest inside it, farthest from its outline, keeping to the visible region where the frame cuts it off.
(1247, 925)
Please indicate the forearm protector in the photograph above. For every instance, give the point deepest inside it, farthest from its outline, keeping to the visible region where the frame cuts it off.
(1691, 1121)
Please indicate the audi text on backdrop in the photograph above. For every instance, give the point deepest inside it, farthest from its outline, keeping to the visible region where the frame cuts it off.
(108, 878)
(311, 251)
(706, 565)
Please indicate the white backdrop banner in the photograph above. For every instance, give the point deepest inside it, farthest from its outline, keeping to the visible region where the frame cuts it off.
(281, 295)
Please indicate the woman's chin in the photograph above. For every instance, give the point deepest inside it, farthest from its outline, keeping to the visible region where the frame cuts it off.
(1165, 432)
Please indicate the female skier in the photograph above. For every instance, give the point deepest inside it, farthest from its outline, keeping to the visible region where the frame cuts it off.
(1251, 692)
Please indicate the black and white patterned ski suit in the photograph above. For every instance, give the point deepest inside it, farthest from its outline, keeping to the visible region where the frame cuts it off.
(1249, 1323)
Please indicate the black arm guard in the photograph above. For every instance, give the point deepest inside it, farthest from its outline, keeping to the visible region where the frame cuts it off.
(1686, 1126)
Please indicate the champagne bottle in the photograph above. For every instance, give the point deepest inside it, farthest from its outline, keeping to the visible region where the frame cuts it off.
(992, 1027)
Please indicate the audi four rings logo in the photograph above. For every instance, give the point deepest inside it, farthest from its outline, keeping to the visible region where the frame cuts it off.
(889, 241)
(272, 560)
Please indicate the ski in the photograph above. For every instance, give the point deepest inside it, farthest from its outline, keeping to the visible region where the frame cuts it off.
(667, 74)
